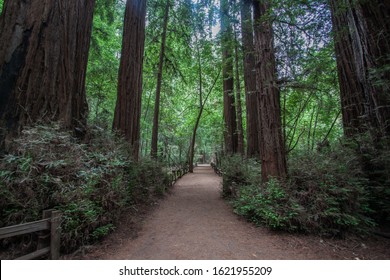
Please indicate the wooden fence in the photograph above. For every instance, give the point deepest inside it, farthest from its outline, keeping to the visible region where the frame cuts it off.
(49, 236)
(178, 172)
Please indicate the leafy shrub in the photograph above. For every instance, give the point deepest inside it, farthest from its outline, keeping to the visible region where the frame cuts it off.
(374, 156)
(268, 205)
(331, 188)
(237, 172)
(324, 194)
(91, 182)
(147, 179)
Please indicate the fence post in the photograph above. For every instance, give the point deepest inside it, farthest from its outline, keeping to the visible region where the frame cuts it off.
(55, 235)
(43, 237)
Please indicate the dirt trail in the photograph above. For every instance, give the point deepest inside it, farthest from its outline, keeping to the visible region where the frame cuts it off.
(194, 222)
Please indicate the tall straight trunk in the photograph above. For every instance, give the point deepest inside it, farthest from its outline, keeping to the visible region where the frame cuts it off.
(44, 49)
(128, 105)
(229, 112)
(154, 146)
(362, 44)
(252, 125)
(272, 147)
(240, 134)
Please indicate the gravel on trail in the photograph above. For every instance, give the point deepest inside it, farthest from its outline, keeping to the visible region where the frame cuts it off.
(193, 222)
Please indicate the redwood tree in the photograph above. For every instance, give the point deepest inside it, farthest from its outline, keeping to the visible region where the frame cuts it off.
(362, 43)
(156, 116)
(229, 111)
(128, 105)
(252, 131)
(240, 130)
(272, 148)
(43, 57)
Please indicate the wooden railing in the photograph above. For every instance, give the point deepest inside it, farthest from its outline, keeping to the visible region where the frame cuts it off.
(177, 173)
(49, 236)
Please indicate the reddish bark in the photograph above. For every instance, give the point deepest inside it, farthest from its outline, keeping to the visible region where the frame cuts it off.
(240, 130)
(154, 146)
(128, 106)
(229, 111)
(272, 148)
(252, 129)
(43, 57)
(362, 44)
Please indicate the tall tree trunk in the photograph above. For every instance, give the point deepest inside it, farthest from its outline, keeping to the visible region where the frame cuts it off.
(252, 129)
(154, 147)
(272, 147)
(229, 112)
(362, 44)
(240, 134)
(128, 105)
(43, 57)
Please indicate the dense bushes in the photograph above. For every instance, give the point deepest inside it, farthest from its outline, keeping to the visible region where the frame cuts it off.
(375, 158)
(238, 172)
(91, 182)
(325, 194)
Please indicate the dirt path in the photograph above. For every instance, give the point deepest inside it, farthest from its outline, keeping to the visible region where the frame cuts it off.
(194, 222)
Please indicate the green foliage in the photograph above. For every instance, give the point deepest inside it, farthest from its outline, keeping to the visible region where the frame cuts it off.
(268, 205)
(374, 156)
(91, 182)
(238, 172)
(180, 87)
(103, 63)
(147, 179)
(325, 194)
(333, 190)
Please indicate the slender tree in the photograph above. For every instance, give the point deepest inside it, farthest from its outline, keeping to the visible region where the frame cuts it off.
(252, 130)
(43, 57)
(128, 105)
(230, 135)
(272, 148)
(154, 146)
(362, 42)
(202, 102)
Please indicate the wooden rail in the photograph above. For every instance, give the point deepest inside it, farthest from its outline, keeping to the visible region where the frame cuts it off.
(177, 173)
(49, 236)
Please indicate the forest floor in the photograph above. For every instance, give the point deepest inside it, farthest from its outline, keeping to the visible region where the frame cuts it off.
(194, 222)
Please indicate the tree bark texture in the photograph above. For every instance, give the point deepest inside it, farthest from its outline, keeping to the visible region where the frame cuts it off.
(128, 105)
(229, 111)
(240, 130)
(154, 146)
(362, 44)
(252, 131)
(272, 148)
(43, 58)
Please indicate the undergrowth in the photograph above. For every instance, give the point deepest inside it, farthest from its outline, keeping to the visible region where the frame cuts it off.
(325, 194)
(91, 182)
